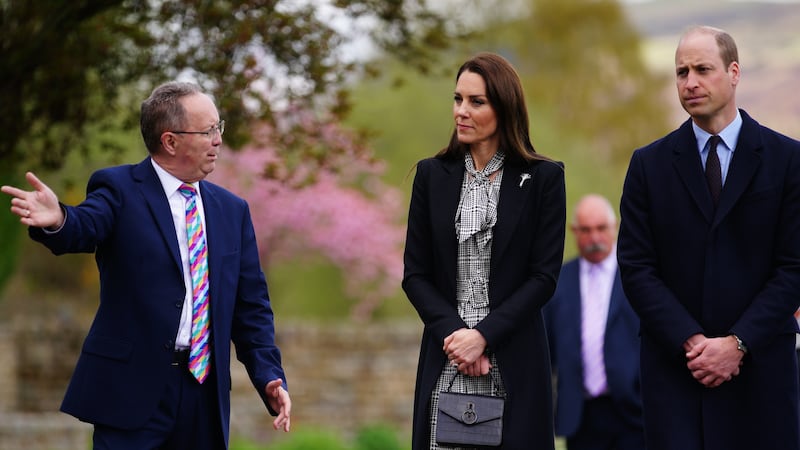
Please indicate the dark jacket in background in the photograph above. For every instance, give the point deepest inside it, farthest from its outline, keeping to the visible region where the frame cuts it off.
(563, 319)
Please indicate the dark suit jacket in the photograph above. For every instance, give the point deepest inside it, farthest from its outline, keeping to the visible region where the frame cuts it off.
(621, 352)
(689, 269)
(126, 221)
(527, 250)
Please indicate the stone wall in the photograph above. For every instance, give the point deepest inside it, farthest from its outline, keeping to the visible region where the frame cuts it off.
(341, 377)
(43, 431)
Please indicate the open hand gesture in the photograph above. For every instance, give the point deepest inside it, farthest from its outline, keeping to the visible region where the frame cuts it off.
(36, 208)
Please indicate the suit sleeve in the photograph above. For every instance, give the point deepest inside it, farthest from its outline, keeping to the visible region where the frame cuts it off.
(253, 331)
(88, 224)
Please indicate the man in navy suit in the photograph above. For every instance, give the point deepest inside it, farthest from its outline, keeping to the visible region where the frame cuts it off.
(594, 342)
(709, 252)
(133, 379)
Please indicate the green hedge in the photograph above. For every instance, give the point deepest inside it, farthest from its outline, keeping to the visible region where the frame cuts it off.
(372, 437)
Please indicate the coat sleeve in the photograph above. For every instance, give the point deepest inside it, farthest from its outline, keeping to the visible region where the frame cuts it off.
(438, 313)
(773, 306)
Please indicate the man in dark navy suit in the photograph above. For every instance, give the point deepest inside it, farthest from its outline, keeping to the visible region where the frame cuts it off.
(709, 253)
(180, 280)
(594, 342)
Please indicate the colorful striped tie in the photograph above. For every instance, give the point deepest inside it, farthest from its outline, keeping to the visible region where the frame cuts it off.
(198, 268)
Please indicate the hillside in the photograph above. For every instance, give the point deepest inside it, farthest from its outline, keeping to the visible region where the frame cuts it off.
(769, 50)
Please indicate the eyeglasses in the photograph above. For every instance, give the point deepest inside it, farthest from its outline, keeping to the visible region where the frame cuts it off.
(219, 127)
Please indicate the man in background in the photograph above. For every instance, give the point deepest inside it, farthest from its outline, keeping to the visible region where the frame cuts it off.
(594, 343)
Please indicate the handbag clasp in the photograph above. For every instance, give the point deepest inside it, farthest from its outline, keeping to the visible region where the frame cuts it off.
(469, 416)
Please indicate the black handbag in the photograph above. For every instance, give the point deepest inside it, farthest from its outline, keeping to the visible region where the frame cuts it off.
(469, 419)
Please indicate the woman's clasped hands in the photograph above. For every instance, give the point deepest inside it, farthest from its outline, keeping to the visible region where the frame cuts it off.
(466, 349)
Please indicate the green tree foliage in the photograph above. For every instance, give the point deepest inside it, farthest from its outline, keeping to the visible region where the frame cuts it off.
(66, 62)
(582, 60)
(72, 68)
(590, 95)
(63, 60)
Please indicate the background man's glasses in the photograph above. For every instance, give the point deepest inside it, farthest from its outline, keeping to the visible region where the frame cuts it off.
(219, 127)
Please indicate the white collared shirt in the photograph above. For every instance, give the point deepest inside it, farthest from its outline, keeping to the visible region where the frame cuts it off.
(177, 206)
(729, 140)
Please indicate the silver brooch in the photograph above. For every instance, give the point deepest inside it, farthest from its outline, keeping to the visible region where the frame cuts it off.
(523, 178)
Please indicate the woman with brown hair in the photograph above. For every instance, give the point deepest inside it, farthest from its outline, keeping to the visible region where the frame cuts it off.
(484, 248)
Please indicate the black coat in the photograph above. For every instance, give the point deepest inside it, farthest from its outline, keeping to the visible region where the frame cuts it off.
(689, 269)
(527, 252)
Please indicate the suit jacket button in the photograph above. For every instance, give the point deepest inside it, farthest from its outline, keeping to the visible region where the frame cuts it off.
(179, 304)
(170, 345)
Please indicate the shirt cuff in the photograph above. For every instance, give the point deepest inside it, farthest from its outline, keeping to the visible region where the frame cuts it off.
(51, 231)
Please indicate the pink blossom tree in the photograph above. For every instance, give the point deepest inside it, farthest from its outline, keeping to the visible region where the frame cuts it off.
(314, 188)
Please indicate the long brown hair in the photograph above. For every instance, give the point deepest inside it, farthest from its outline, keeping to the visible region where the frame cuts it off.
(504, 92)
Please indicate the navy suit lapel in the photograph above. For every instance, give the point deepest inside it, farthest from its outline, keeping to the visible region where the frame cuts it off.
(152, 191)
(744, 164)
(215, 234)
(689, 167)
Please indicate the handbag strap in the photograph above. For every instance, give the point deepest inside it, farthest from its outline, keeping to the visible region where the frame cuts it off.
(495, 384)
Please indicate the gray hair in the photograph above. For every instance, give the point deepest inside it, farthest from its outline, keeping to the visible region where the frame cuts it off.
(163, 111)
